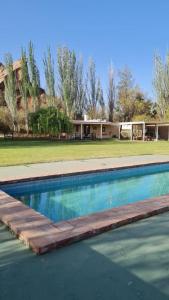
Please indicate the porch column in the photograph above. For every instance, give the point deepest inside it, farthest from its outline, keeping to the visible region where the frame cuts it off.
(144, 130)
(101, 134)
(119, 132)
(156, 132)
(81, 131)
(131, 137)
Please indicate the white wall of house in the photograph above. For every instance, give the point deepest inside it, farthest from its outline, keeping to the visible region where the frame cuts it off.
(97, 130)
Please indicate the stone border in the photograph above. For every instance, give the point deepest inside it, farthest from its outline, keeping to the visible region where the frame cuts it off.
(42, 235)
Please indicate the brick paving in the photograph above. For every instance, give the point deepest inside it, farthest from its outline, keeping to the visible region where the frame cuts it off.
(42, 235)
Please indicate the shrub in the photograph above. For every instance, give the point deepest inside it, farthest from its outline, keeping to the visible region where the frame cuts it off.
(4, 128)
(5, 119)
(49, 121)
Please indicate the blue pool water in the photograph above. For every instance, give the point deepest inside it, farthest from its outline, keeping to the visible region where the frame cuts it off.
(74, 196)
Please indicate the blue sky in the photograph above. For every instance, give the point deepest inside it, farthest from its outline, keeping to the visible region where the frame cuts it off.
(124, 32)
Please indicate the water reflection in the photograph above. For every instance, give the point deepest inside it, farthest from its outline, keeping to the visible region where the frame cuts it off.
(63, 203)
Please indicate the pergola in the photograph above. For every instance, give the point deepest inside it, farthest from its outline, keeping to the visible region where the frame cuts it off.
(155, 130)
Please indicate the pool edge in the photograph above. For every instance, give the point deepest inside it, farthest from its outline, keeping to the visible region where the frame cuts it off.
(42, 235)
(56, 175)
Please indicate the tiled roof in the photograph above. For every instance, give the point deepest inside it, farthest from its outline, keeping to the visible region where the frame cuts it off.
(3, 73)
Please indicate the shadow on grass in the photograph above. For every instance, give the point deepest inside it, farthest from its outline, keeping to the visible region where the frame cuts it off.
(127, 263)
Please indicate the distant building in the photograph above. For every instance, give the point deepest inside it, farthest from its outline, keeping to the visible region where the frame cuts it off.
(17, 72)
(102, 129)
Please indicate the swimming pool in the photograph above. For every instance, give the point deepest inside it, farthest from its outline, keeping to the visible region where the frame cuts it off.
(69, 197)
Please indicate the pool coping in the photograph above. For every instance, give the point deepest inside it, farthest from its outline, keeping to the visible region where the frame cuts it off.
(42, 235)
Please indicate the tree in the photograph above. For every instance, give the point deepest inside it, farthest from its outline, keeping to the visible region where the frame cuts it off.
(67, 79)
(50, 77)
(161, 84)
(34, 77)
(101, 100)
(49, 121)
(126, 95)
(80, 100)
(10, 90)
(24, 86)
(111, 94)
(144, 109)
(93, 91)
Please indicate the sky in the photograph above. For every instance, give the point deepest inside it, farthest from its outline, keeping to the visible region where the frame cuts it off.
(121, 32)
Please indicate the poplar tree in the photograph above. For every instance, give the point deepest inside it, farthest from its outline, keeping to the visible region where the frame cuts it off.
(24, 86)
(10, 90)
(34, 78)
(161, 84)
(101, 100)
(50, 77)
(80, 100)
(111, 94)
(67, 79)
(92, 91)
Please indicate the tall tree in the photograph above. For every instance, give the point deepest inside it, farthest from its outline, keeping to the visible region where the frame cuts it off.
(24, 86)
(67, 78)
(101, 100)
(50, 77)
(10, 90)
(161, 84)
(34, 78)
(125, 103)
(111, 94)
(92, 91)
(80, 100)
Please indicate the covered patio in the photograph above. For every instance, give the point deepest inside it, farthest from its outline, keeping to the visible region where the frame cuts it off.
(146, 131)
(92, 129)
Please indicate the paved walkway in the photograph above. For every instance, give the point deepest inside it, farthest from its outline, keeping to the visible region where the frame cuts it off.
(66, 167)
(129, 263)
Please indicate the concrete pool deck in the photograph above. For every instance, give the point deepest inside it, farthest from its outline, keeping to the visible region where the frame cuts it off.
(42, 235)
(131, 262)
(33, 171)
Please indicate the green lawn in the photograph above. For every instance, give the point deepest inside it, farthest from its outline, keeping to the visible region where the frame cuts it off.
(23, 152)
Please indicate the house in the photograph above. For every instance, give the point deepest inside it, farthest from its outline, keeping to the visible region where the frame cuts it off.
(3, 75)
(18, 76)
(102, 129)
(94, 129)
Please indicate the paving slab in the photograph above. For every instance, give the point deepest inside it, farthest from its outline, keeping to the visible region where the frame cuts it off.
(33, 171)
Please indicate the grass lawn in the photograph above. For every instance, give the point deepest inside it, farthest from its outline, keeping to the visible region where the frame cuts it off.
(23, 152)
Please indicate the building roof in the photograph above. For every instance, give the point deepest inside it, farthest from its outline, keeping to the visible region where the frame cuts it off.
(151, 123)
(3, 73)
(91, 122)
(104, 122)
